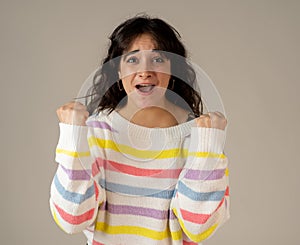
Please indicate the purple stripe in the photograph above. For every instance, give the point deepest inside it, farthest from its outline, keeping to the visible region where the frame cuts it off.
(205, 174)
(77, 174)
(139, 211)
(172, 215)
(103, 125)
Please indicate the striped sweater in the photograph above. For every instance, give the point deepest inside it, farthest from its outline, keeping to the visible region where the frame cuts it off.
(124, 184)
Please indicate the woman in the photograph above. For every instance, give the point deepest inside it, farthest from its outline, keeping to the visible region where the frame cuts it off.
(147, 166)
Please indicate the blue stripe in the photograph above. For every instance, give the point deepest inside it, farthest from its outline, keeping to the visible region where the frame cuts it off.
(200, 196)
(73, 196)
(136, 191)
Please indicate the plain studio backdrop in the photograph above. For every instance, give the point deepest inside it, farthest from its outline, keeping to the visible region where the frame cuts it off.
(250, 49)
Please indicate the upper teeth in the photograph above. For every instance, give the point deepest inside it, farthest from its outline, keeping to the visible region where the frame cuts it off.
(144, 85)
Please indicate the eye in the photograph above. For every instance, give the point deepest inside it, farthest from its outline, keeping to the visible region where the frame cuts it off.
(132, 60)
(158, 60)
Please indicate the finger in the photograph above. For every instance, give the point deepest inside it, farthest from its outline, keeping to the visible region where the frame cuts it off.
(212, 116)
(77, 105)
(220, 114)
(218, 120)
(86, 114)
(223, 119)
(204, 121)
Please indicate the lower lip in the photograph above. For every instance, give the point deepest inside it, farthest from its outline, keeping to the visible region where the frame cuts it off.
(145, 93)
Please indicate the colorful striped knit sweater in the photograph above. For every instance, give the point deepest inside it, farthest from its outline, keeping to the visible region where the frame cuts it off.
(125, 184)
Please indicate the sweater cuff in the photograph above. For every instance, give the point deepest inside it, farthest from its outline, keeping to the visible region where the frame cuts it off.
(73, 137)
(207, 140)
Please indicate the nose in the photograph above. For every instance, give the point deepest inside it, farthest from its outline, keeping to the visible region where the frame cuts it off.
(144, 74)
(144, 68)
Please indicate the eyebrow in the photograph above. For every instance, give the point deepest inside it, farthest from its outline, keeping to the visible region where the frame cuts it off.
(130, 53)
(136, 51)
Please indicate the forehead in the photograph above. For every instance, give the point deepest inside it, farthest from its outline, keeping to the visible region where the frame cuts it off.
(142, 42)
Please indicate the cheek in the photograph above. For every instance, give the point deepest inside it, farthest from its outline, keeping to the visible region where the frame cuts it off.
(127, 84)
(164, 79)
(127, 70)
(126, 75)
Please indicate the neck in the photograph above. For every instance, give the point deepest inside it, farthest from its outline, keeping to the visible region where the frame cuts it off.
(161, 115)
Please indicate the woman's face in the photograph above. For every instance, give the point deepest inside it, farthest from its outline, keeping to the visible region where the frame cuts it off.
(144, 71)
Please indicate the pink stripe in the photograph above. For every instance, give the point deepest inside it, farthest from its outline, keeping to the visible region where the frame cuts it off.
(96, 168)
(189, 243)
(194, 217)
(118, 167)
(96, 190)
(97, 243)
(227, 191)
(75, 220)
(197, 218)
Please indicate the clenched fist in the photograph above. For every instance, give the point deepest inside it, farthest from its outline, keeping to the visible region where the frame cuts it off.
(212, 120)
(73, 113)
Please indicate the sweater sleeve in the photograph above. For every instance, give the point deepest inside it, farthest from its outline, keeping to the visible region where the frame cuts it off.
(75, 193)
(201, 198)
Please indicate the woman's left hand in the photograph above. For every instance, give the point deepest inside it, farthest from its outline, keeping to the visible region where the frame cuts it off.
(212, 120)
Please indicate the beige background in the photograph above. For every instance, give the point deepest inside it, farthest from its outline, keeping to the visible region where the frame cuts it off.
(250, 49)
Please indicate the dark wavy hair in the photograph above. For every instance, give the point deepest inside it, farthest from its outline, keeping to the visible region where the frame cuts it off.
(106, 93)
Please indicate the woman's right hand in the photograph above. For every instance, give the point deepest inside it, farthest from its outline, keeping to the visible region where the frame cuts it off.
(73, 113)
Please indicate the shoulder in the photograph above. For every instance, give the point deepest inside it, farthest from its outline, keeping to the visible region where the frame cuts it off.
(181, 114)
(98, 117)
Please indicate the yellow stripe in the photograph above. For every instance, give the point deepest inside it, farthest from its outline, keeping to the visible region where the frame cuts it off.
(158, 154)
(207, 155)
(56, 219)
(196, 237)
(136, 230)
(109, 144)
(226, 172)
(73, 153)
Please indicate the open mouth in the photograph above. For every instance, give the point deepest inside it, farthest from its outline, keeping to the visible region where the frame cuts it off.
(145, 88)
